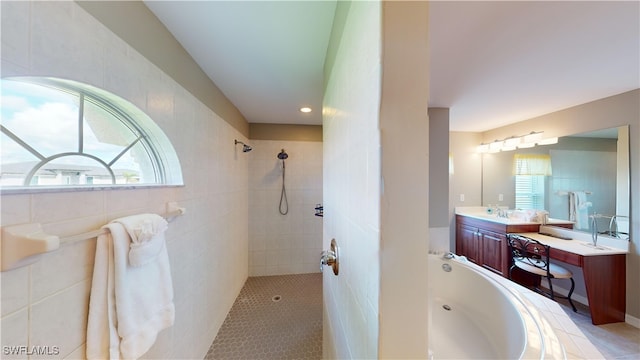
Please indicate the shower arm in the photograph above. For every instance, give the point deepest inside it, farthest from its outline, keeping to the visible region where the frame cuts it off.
(245, 147)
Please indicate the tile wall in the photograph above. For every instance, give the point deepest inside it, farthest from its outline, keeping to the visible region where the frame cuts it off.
(352, 188)
(292, 243)
(46, 304)
(592, 171)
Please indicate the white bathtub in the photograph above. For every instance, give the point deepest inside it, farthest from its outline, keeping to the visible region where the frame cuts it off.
(473, 316)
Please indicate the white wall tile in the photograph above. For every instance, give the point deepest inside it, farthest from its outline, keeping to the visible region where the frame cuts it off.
(215, 192)
(258, 258)
(351, 196)
(16, 209)
(15, 290)
(67, 311)
(118, 201)
(70, 264)
(271, 232)
(15, 32)
(62, 47)
(14, 329)
(52, 207)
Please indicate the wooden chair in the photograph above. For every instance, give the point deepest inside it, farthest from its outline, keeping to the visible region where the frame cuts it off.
(532, 256)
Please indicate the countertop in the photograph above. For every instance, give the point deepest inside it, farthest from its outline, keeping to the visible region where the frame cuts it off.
(479, 212)
(584, 248)
(580, 242)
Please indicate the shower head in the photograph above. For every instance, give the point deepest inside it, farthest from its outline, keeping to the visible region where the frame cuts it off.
(245, 147)
(282, 155)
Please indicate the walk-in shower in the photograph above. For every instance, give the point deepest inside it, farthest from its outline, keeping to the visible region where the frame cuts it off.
(284, 203)
(245, 147)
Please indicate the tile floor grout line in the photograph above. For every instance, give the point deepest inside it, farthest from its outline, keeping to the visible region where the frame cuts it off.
(257, 327)
(614, 341)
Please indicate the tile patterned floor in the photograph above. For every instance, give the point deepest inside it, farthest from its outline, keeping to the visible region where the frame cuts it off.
(262, 326)
(615, 341)
(274, 317)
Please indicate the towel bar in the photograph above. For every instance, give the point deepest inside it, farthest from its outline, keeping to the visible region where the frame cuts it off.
(23, 244)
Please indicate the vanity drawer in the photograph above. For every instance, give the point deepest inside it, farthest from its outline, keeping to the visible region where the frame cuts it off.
(567, 257)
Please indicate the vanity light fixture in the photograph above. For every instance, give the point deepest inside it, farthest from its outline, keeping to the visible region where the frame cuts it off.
(305, 109)
(482, 148)
(516, 142)
(511, 143)
(532, 137)
(496, 146)
(525, 145)
(549, 141)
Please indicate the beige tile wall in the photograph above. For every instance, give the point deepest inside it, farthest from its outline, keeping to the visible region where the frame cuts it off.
(352, 188)
(46, 303)
(292, 243)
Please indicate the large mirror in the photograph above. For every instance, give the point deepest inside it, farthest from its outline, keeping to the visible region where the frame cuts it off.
(589, 175)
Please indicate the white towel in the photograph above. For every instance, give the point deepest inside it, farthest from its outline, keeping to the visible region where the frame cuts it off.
(579, 209)
(143, 230)
(129, 305)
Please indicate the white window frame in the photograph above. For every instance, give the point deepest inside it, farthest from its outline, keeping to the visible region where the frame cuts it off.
(529, 192)
(163, 159)
(530, 171)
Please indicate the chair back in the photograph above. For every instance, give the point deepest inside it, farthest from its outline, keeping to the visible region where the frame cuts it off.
(529, 251)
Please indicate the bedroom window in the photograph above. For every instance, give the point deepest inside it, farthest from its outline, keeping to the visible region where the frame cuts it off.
(59, 133)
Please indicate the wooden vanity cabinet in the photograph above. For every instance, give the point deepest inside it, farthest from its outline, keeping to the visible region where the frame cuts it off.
(467, 242)
(485, 242)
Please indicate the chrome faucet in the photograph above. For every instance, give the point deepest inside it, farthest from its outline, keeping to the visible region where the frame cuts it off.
(613, 226)
(594, 229)
(614, 230)
(448, 255)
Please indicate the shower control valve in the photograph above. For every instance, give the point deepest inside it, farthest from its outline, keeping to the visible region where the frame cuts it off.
(330, 257)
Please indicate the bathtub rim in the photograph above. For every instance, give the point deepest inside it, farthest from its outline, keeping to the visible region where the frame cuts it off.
(536, 326)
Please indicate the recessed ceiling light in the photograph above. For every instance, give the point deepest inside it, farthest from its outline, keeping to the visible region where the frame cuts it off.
(305, 109)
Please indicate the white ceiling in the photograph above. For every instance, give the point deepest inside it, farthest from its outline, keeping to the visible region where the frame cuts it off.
(496, 63)
(492, 63)
(267, 57)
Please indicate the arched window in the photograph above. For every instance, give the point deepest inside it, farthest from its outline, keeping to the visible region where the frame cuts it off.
(59, 133)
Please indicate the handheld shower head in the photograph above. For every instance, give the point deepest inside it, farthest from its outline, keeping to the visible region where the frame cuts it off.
(245, 147)
(282, 155)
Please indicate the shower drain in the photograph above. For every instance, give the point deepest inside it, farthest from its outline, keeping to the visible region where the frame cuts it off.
(276, 298)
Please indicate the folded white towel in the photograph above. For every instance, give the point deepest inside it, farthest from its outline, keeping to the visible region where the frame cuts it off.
(129, 305)
(144, 229)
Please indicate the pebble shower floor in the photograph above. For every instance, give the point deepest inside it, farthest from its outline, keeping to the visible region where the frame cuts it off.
(274, 317)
